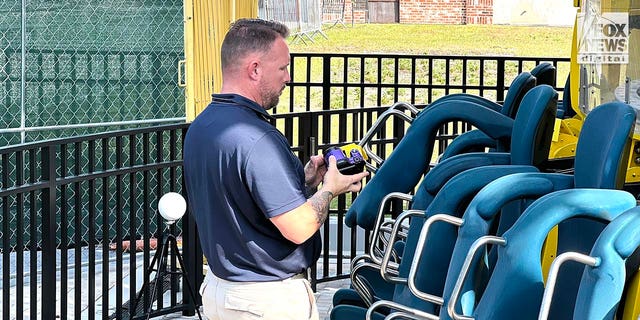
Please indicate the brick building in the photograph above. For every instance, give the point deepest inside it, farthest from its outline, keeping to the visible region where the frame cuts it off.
(420, 11)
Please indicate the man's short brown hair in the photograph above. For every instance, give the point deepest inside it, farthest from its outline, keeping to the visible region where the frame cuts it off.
(250, 35)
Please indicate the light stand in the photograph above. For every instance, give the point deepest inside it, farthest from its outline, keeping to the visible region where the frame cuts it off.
(172, 207)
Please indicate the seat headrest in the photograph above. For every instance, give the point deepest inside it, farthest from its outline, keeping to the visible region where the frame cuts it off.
(533, 126)
(604, 146)
(545, 73)
(519, 87)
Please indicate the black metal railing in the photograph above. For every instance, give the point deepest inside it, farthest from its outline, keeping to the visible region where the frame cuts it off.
(75, 210)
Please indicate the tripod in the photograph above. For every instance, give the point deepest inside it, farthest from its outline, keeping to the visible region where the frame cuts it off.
(160, 258)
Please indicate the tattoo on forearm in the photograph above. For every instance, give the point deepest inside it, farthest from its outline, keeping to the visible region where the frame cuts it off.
(320, 203)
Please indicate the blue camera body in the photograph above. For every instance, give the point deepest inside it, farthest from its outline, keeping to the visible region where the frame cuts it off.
(347, 165)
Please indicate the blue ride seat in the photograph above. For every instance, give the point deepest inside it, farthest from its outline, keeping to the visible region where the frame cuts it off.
(545, 73)
(477, 141)
(600, 162)
(530, 138)
(410, 159)
(519, 87)
(532, 130)
(565, 110)
(453, 198)
(603, 281)
(516, 284)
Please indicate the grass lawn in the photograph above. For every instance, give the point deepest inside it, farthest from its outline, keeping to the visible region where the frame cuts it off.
(466, 40)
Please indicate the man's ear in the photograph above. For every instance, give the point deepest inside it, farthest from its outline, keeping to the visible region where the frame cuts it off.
(254, 70)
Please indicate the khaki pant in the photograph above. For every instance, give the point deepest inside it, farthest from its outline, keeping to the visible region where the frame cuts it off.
(287, 299)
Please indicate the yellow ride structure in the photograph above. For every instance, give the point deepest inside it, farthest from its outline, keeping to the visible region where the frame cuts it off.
(605, 67)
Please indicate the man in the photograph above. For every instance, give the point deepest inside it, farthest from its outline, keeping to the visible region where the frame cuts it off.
(247, 189)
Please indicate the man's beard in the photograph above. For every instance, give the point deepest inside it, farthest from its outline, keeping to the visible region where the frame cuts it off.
(270, 98)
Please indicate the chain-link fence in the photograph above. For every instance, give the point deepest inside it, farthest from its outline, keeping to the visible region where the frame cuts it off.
(72, 67)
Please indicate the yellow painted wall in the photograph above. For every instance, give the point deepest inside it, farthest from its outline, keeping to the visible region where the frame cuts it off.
(205, 24)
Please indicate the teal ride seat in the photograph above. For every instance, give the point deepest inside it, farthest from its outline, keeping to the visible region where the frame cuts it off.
(545, 73)
(530, 134)
(603, 280)
(410, 159)
(516, 285)
(532, 137)
(565, 110)
(453, 198)
(477, 141)
(601, 161)
(537, 110)
(602, 170)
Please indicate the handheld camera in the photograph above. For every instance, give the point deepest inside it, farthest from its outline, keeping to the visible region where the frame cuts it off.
(350, 158)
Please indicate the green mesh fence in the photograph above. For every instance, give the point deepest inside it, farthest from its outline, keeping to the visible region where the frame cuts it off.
(77, 67)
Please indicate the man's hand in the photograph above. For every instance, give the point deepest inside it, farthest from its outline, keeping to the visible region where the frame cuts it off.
(299, 224)
(337, 183)
(314, 171)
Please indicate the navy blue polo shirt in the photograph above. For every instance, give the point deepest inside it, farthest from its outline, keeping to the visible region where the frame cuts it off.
(239, 172)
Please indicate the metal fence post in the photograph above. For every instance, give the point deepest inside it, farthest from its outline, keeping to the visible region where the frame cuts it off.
(500, 85)
(49, 231)
(326, 82)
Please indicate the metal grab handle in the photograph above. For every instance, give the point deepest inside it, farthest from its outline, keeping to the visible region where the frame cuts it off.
(553, 277)
(181, 64)
(376, 230)
(418, 255)
(464, 271)
(400, 311)
(387, 253)
(395, 109)
(361, 288)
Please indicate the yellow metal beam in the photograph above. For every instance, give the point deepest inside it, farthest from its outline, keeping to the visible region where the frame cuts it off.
(205, 24)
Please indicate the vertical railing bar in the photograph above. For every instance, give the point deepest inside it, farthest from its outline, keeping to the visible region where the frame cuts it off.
(342, 204)
(145, 218)
(118, 224)
(396, 77)
(430, 90)
(291, 86)
(19, 236)
(413, 80)
(308, 88)
(132, 225)
(78, 230)
(64, 233)
(345, 81)
(6, 249)
(33, 241)
(172, 187)
(159, 221)
(49, 230)
(465, 61)
(326, 82)
(325, 248)
(379, 89)
(500, 85)
(91, 288)
(447, 76)
(481, 77)
(362, 82)
(105, 229)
